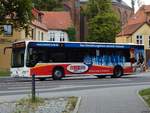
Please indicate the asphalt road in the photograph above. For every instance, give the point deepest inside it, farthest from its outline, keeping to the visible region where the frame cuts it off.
(98, 95)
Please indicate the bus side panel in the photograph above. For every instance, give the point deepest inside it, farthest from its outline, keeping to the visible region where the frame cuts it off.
(95, 69)
(128, 70)
(47, 69)
(41, 70)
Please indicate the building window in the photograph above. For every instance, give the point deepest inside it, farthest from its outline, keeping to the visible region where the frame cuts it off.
(39, 18)
(32, 34)
(52, 36)
(42, 36)
(52, 39)
(8, 30)
(62, 38)
(139, 39)
(38, 35)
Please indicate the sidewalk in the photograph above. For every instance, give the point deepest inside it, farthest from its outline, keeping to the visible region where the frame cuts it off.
(114, 100)
(105, 100)
(102, 100)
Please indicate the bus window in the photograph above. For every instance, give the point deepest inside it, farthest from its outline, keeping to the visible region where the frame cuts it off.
(33, 57)
(58, 57)
(78, 55)
(18, 57)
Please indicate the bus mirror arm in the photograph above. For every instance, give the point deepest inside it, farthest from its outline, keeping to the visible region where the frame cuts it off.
(6, 49)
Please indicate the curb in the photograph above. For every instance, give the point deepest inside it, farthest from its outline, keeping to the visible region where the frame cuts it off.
(141, 98)
(13, 79)
(77, 105)
(3, 77)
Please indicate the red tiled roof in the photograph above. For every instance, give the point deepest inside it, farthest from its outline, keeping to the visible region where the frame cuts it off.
(130, 29)
(57, 20)
(39, 25)
(35, 12)
(36, 22)
(136, 21)
(147, 8)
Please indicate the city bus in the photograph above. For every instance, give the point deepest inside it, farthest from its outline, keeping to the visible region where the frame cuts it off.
(47, 59)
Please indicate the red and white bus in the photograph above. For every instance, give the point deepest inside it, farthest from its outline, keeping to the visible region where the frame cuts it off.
(61, 59)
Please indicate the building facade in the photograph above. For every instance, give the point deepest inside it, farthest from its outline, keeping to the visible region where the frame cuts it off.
(37, 31)
(57, 35)
(57, 24)
(123, 11)
(47, 26)
(137, 30)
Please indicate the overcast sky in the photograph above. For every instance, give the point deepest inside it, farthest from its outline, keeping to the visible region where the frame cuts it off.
(144, 2)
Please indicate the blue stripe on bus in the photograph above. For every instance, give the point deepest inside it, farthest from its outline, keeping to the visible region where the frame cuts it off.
(80, 45)
(43, 44)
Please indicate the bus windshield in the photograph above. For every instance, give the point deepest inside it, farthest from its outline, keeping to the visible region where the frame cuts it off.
(18, 57)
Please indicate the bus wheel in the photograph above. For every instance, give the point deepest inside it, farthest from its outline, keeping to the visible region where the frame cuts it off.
(118, 72)
(58, 73)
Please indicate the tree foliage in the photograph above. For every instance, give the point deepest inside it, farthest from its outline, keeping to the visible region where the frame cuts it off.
(48, 5)
(133, 4)
(71, 31)
(103, 23)
(16, 12)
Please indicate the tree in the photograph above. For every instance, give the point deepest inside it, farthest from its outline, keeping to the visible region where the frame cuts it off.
(16, 12)
(103, 23)
(71, 31)
(140, 3)
(48, 5)
(133, 4)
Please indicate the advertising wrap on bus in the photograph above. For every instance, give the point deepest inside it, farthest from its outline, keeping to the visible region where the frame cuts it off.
(58, 59)
(77, 68)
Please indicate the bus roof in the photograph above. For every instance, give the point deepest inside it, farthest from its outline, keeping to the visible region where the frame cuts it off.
(33, 43)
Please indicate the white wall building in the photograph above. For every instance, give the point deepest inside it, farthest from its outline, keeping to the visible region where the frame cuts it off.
(57, 35)
(57, 24)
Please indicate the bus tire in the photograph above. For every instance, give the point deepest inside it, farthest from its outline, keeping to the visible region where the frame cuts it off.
(118, 72)
(58, 73)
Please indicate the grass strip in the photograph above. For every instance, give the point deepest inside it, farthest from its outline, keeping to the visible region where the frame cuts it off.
(26, 105)
(4, 72)
(72, 101)
(145, 93)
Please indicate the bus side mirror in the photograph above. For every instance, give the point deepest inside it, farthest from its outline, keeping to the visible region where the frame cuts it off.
(6, 49)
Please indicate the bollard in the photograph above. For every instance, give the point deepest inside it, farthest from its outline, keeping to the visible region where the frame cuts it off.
(33, 88)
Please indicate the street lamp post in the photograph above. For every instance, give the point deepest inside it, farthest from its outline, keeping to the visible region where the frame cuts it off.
(33, 88)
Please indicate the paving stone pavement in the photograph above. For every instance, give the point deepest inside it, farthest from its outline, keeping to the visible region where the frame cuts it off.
(55, 105)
